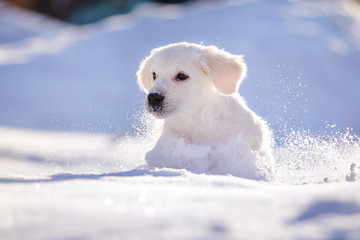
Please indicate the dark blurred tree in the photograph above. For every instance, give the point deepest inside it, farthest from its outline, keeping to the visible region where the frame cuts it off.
(82, 11)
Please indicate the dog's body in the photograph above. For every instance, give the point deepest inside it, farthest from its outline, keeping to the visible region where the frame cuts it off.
(194, 88)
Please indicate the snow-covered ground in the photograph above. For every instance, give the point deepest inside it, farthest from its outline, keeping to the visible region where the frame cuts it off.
(73, 136)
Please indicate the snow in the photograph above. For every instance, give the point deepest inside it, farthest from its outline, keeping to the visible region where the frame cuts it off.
(73, 136)
(232, 157)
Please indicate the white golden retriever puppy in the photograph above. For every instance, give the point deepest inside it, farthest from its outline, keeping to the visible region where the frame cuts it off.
(194, 88)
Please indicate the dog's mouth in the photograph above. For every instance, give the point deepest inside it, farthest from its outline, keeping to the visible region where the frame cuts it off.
(161, 109)
(156, 110)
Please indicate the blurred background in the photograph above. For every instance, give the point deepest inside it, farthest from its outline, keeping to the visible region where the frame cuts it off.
(82, 11)
(69, 65)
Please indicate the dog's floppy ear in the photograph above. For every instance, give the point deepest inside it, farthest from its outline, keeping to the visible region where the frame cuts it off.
(225, 69)
(143, 75)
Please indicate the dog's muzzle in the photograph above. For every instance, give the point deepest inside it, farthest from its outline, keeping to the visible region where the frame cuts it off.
(155, 101)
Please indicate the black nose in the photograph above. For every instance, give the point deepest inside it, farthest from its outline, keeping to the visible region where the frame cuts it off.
(155, 99)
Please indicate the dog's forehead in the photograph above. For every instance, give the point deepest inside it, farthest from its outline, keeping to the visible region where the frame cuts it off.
(174, 58)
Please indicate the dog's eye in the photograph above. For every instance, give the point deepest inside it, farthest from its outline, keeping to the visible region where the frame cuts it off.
(181, 76)
(154, 75)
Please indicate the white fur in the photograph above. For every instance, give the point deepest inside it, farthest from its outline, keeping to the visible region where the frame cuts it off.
(204, 112)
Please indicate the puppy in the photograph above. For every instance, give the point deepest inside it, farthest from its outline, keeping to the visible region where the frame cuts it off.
(194, 88)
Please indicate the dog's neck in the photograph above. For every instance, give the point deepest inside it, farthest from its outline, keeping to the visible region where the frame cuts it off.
(205, 123)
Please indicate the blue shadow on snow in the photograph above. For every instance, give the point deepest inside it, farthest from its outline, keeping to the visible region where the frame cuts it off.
(71, 176)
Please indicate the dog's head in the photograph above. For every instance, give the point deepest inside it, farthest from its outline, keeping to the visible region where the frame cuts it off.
(178, 77)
